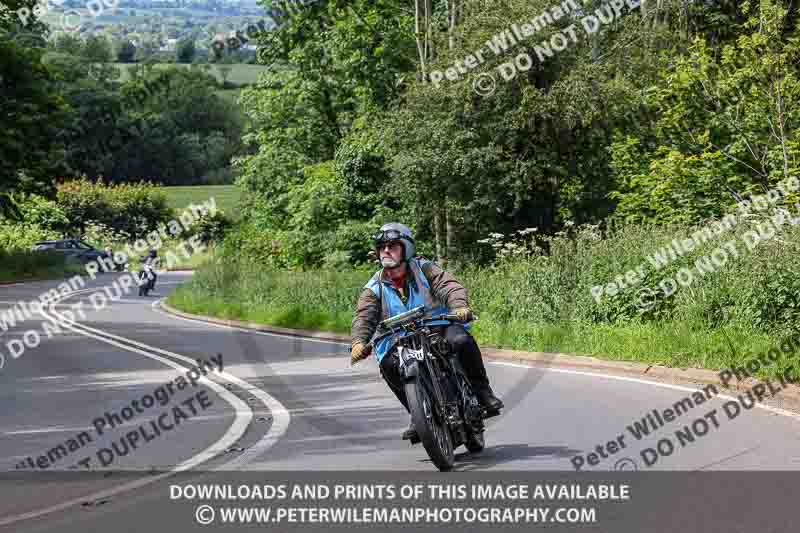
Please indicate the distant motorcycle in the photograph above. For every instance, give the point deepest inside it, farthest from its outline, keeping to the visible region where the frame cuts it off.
(147, 279)
(444, 408)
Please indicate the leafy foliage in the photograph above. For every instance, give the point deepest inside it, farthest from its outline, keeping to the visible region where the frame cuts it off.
(32, 115)
(133, 209)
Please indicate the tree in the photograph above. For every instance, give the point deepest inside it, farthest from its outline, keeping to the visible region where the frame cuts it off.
(176, 129)
(97, 49)
(147, 47)
(727, 124)
(68, 43)
(126, 52)
(185, 50)
(30, 151)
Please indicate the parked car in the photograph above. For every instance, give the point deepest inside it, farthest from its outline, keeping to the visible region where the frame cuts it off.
(73, 249)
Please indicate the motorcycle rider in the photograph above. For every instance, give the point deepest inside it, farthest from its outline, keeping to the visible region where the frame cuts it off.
(151, 260)
(405, 282)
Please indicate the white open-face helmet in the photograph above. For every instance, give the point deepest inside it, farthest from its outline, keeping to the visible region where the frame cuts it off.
(397, 232)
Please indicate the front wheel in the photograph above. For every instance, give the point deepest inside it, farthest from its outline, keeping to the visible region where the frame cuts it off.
(431, 428)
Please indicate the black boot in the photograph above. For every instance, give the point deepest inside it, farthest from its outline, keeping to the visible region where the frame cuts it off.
(488, 400)
(411, 433)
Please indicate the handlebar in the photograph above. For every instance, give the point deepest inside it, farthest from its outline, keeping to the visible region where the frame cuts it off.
(412, 315)
(443, 316)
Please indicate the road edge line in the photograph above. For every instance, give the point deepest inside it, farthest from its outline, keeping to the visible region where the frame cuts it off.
(657, 374)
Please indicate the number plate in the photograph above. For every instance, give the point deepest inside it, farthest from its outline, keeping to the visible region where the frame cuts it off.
(409, 354)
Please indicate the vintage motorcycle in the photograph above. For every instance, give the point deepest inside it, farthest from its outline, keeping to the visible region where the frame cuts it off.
(147, 279)
(444, 408)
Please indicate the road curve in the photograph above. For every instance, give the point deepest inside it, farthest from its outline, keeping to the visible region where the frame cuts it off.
(287, 404)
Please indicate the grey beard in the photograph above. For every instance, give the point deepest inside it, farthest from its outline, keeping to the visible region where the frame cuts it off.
(388, 262)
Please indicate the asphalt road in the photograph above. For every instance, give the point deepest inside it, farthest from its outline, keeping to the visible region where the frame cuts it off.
(287, 404)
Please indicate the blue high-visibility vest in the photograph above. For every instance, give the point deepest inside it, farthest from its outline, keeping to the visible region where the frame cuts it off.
(419, 293)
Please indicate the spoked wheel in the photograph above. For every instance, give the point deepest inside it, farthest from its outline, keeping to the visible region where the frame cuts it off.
(431, 428)
(475, 435)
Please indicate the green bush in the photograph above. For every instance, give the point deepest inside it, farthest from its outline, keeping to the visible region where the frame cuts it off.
(42, 213)
(248, 240)
(132, 209)
(41, 219)
(211, 228)
(22, 236)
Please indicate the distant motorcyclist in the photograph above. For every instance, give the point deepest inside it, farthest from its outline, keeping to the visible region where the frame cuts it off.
(405, 282)
(150, 263)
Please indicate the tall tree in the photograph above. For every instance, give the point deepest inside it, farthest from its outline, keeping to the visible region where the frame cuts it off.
(30, 152)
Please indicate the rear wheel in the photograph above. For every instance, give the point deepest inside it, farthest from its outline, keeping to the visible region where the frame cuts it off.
(472, 414)
(431, 428)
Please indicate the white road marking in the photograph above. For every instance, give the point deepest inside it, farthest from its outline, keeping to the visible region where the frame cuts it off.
(548, 369)
(53, 429)
(280, 415)
(242, 411)
(252, 331)
(775, 410)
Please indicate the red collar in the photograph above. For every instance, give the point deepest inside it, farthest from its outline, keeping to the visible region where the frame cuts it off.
(398, 283)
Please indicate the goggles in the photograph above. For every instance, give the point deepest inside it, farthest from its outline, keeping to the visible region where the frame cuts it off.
(389, 235)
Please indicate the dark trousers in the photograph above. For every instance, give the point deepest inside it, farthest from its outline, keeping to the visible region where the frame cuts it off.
(464, 345)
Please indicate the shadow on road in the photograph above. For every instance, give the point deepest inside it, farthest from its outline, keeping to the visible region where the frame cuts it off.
(504, 453)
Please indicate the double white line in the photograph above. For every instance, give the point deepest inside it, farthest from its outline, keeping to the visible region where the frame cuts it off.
(243, 413)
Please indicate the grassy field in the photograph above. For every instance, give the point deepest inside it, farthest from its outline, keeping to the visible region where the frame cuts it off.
(227, 196)
(240, 74)
(172, 259)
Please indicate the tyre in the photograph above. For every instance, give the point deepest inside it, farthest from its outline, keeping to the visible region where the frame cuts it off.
(432, 430)
(475, 440)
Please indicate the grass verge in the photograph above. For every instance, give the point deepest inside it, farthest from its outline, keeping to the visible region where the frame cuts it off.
(19, 266)
(325, 300)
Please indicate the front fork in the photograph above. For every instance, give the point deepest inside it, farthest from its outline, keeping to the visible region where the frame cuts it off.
(411, 367)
